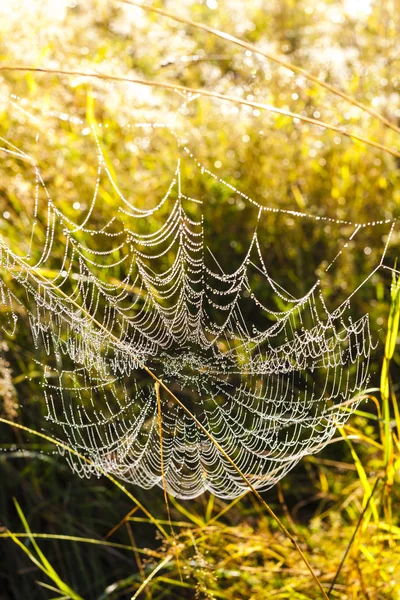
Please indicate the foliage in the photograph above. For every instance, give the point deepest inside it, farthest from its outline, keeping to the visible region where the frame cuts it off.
(298, 166)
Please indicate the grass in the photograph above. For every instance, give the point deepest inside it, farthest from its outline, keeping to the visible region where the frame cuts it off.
(97, 538)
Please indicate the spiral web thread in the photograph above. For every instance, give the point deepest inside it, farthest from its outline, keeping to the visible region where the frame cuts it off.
(268, 396)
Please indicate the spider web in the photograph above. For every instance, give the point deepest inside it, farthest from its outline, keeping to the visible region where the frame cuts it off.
(267, 385)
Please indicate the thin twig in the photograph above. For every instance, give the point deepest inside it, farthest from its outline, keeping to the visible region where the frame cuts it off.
(290, 66)
(123, 520)
(136, 554)
(152, 574)
(349, 545)
(207, 93)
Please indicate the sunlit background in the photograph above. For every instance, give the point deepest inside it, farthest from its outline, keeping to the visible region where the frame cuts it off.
(280, 161)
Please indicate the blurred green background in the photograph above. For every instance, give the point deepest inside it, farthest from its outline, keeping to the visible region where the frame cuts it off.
(281, 163)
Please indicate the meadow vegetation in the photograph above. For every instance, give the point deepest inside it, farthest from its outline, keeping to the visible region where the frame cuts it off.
(65, 537)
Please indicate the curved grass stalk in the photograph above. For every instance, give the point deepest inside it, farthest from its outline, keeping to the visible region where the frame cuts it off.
(283, 63)
(40, 560)
(154, 572)
(162, 385)
(43, 564)
(83, 540)
(201, 92)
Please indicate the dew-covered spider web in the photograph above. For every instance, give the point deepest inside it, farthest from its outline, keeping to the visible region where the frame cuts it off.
(145, 288)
